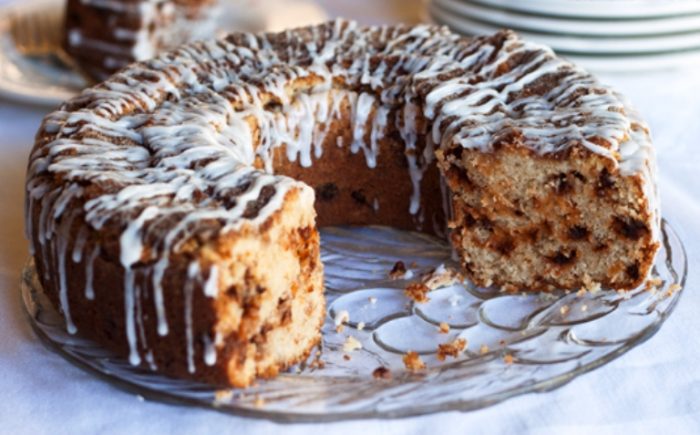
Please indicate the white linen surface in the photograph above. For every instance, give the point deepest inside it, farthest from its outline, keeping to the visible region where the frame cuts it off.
(652, 389)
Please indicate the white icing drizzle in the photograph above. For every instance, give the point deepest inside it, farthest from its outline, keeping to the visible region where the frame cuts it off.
(131, 247)
(138, 316)
(172, 146)
(192, 274)
(129, 314)
(60, 254)
(209, 350)
(211, 287)
(90, 274)
(150, 359)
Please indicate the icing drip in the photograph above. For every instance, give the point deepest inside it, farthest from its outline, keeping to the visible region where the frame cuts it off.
(209, 351)
(90, 274)
(211, 287)
(409, 135)
(192, 273)
(363, 109)
(61, 254)
(151, 360)
(131, 247)
(129, 283)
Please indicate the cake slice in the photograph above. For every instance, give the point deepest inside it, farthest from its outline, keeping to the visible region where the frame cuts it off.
(550, 173)
(103, 36)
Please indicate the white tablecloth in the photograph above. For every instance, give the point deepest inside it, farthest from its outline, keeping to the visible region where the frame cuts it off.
(652, 389)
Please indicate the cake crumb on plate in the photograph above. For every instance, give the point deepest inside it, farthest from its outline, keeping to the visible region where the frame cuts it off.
(418, 292)
(351, 344)
(413, 361)
(381, 372)
(452, 349)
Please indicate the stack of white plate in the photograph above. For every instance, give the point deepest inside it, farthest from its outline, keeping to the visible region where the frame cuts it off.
(600, 34)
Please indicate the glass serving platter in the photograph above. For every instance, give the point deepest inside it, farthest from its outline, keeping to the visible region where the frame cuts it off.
(516, 343)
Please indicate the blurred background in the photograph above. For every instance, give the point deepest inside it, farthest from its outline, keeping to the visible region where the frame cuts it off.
(43, 60)
(647, 49)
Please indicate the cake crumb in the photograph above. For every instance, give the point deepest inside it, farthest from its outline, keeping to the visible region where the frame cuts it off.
(418, 292)
(626, 295)
(508, 359)
(452, 349)
(590, 286)
(653, 283)
(351, 344)
(444, 328)
(381, 372)
(372, 300)
(564, 310)
(399, 271)
(317, 362)
(341, 317)
(673, 288)
(413, 361)
(259, 402)
(509, 288)
(502, 342)
(222, 396)
(347, 357)
(440, 277)
(484, 349)
(361, 326)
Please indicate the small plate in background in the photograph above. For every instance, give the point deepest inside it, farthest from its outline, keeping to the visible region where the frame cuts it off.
(46, 81)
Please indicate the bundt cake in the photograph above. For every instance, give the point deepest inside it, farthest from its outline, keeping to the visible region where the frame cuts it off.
(103, 36)
(172, 208)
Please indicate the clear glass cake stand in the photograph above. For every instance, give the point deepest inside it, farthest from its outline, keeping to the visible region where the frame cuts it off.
(516, 343)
